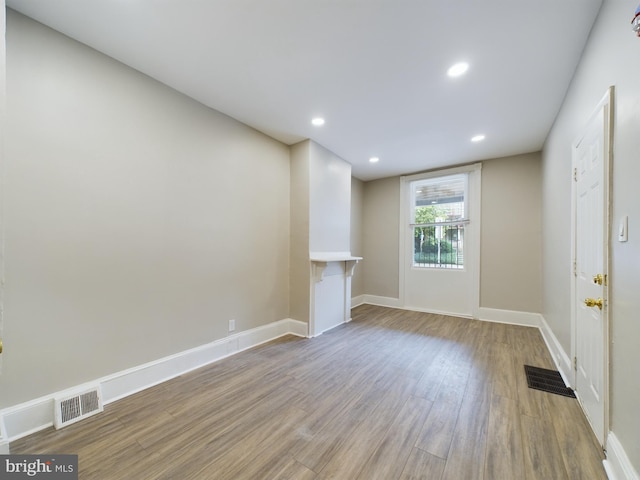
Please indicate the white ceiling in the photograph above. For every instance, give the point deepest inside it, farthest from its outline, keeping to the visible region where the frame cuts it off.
(374, 69)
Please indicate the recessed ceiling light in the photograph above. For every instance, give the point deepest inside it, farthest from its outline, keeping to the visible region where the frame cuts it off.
(478, 138)
(458, 69)
(374, 159)
(318, 121)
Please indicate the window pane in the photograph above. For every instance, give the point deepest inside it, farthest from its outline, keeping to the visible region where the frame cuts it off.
(438, 207)
(439, 246)
(439, 199)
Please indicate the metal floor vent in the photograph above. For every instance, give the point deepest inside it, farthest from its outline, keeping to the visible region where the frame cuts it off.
(74, 408)
(547, 380)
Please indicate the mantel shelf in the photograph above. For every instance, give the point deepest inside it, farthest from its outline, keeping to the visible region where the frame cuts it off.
(320, 260)
(333, 257)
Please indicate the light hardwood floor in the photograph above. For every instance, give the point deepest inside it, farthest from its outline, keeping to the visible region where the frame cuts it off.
(391, 395)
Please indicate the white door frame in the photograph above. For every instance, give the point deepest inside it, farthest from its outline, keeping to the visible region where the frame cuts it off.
(4, 443)
(475, 206)
(607, 104)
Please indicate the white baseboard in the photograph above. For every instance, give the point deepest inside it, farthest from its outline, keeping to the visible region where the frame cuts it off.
(560, 357)
(512, 317)
(4, 441)
(357, 301)
(29, 417)
(381, 301)
(617, 464)
(436, 312)
(295, 327)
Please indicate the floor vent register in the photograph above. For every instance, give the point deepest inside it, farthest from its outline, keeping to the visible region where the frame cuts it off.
(547, 380)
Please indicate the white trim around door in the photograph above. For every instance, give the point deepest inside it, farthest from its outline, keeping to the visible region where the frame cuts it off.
(592, 155)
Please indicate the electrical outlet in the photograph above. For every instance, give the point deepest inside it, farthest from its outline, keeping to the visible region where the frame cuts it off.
(232, 325)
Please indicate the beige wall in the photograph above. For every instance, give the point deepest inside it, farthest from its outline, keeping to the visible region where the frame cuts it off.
(138, 222)
(329, 201)
(610, 58)
(381, 233)
(357, 246)
(300, 268)
(510, 242)
(510, 261)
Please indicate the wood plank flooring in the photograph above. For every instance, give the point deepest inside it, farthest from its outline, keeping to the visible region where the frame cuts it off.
(391, 395)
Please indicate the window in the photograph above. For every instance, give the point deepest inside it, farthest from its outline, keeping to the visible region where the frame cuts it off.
(438, 216)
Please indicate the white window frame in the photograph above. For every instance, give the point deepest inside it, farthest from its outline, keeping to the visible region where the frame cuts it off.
(473, 213)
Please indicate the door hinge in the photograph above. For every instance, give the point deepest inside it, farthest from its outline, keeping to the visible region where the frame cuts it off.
(575, 268)
(575, 174)
(575, 363)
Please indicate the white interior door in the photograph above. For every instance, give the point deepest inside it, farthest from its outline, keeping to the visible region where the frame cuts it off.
(442, 277)
(591, 161)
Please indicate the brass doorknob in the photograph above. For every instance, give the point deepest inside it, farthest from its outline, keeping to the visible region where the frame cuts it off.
(592, 302)
(598, 279)
(0, 345)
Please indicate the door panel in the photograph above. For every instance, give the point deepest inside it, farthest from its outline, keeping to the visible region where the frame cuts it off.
(591, 163)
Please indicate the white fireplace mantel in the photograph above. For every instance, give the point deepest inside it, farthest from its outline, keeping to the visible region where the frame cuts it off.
(320, 261)
(330, 287)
